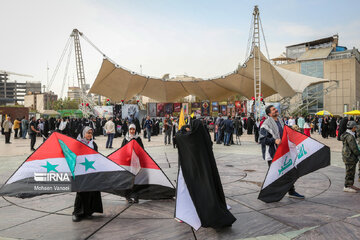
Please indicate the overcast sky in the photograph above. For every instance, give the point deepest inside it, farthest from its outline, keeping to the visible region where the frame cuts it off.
(198, 38)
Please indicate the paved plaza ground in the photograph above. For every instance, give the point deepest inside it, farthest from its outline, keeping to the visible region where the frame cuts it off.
(326, 213)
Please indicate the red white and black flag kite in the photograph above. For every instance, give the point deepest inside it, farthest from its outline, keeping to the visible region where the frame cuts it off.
(296, 156)
(150, 181)
(63, 164)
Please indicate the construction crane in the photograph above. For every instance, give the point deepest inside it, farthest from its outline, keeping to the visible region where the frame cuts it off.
(86, 101)
(17, 74)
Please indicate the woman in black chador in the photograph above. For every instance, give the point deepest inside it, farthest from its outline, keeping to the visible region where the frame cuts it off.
(86, 203)
(199, 170)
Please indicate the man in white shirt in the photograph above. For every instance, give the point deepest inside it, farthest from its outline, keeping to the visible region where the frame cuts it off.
(291, 121)
(110, 132)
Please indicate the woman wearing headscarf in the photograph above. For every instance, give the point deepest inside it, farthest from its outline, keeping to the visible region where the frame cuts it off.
(130, 196)
(86, 203)
(132, 135)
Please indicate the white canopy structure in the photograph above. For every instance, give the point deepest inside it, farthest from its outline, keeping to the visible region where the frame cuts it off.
(119, 84)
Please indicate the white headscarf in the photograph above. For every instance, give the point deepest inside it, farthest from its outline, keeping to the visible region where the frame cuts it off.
(82, 138)
(130, 136)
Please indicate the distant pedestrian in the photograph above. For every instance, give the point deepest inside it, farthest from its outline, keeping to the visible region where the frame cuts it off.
(167, 131)
(16, 127)
(32, 133)
(24, 127)
(110, 132)
(7, 129)
(148, 125)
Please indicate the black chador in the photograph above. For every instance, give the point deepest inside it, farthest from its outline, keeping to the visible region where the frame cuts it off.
(199, 170)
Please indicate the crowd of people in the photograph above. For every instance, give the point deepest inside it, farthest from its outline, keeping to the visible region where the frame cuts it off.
(225, 128)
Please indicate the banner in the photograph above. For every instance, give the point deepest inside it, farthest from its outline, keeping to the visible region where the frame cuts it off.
(195, 105)
(223, 109)
(129, 110)
(177, 107)
(186, 108)
(160, 110)
(103, 111)
(168, 108)
(205, 108)
(151, 109)
(215, 106)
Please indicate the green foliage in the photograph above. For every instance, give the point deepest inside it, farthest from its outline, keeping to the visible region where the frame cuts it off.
(65, 104)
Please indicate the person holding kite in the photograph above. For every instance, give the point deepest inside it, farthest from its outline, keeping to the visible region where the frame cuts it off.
(200, 199)
(129, 136)
(86, 203)
(132, 135)
(271, 133)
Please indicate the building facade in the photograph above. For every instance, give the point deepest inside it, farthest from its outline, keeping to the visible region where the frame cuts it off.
(324, 58)
(40, 101)
(13, 92)
(74, 93)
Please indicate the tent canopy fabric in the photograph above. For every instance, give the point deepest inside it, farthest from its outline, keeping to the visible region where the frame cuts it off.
(353, 112)
(119, 84)
(324, 113)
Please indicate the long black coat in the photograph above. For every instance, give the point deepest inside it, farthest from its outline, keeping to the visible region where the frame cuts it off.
(201, 176)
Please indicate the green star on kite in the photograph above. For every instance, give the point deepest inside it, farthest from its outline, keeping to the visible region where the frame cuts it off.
(88, 164)
(50, 167)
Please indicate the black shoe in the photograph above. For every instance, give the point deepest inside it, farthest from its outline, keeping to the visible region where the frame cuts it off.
(296, 195)
(136, 199)
(110, 147)
(76, 218)
(129, 200)
(33, 149)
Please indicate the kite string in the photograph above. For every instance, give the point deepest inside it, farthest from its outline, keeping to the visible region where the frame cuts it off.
(192, 229)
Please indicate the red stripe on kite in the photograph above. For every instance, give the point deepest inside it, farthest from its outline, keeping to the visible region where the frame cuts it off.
(51, 148)
(123, 156)
(283, 148)
(295, 136)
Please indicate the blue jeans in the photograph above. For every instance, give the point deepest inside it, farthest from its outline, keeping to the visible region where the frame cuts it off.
(218, 140)
(148, 133)
(227, 138)
(24, 132)
(110, 140)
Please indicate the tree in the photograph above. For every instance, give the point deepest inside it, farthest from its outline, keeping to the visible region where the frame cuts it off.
(66, 103)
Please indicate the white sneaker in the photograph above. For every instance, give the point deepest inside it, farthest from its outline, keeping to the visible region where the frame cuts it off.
(349, 190)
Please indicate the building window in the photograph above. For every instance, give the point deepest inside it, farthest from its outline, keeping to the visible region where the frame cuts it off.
(313, 68)
(313, 96)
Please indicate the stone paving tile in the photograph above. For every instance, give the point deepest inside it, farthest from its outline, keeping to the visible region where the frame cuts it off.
(156, 229)
(239, 188)
(334, 230)
(4, 203)
(251, 201)
(237, 208)
(247, 225)
(52, 204)
(111, 208)
(150, 209)
(11, 216)
(355, 220)
(339, 199)
(307, 214)
(55, 227)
